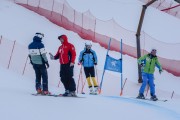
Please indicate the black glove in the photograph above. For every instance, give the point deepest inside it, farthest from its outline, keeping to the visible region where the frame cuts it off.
(95, 63)
(142, 64)
(30, 59)
(160, 71)
(47, 64)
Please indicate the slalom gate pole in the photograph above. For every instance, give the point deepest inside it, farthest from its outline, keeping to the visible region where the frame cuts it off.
(104, 67)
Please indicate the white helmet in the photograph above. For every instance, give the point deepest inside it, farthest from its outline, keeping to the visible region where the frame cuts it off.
(88, 43)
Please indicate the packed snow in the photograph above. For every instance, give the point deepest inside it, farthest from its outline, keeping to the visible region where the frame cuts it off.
(17, 103)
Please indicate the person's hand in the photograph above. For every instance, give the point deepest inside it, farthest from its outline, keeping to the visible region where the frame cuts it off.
(95, 63)
(79, 63)
(47, 64)
(71, 64)
(51, 56)
(160, 71)
(142, 64)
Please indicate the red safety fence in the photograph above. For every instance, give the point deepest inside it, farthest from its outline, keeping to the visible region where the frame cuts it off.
(90, 28)
(169, 6)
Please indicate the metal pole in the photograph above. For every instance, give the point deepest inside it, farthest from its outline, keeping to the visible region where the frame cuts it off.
(138, 36)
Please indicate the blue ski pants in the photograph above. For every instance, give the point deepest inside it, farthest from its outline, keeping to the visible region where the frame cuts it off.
(147, 79)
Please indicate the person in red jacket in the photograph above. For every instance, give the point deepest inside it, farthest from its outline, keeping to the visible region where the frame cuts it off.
(66, 55)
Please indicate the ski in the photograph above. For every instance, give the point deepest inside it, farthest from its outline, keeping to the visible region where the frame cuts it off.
(35, 94)
(60, 95)
(153, 100)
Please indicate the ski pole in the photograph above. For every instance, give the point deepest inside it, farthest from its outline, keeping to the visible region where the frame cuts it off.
(59, 83)
(80, 74)
(97, 75)
(123, 87)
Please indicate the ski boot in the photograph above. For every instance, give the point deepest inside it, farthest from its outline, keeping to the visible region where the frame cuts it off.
(154, 98)
(95, 90)
(39, 91)
(72, 94)
(140, 96)
(46, 93)
(66, 93)
(91, 90)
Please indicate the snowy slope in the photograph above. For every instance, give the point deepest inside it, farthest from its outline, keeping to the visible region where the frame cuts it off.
(16, 103)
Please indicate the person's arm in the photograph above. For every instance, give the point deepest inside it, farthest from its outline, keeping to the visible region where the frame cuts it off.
(73, 53)
(80, 57)
(57, 54)
(158, 65)
(142, 59)
(95, 58)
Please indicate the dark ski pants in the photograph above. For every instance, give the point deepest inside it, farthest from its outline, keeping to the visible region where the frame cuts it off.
(66, 74)
(41, 71)
(89, 71)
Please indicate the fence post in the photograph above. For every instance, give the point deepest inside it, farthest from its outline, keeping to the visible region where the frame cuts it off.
(74, 18)
(62, 13)
(11, 53)
(52, 8)
(25, 65)
(39, 5)
(95, 30)
(172, 95)
(82, 23)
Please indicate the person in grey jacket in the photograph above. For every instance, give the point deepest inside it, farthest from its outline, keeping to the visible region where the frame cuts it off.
(39, 61)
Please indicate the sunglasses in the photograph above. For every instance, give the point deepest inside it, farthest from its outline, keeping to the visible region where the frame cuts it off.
(154, 50)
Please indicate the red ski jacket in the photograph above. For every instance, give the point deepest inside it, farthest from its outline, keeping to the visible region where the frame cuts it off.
(66, 52)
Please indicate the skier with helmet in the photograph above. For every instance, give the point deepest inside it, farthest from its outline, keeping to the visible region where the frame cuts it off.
(88, 59)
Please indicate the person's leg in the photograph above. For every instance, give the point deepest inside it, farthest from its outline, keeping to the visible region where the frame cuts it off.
(38, 77)
(86, 70)
(44, 77)
(63, 76)
(92, 73)
(152, 87)
(143, 86)
(71, 82)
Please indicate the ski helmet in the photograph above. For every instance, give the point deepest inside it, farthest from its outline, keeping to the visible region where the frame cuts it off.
(39, 35)
(88, 43)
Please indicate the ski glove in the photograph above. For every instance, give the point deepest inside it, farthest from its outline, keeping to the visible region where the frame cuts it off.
(142, 64)
(30, 59)
(71, 64)
(51, 56)
(47, 64)
(160, 71)
(95, 63)
(79, 63)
